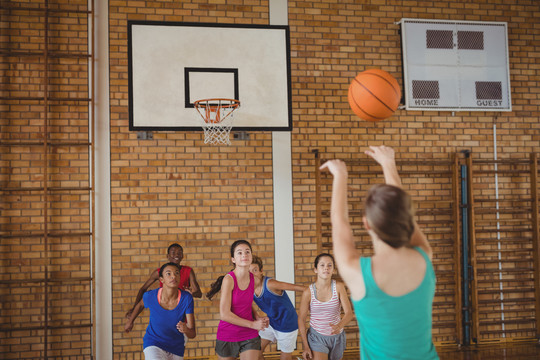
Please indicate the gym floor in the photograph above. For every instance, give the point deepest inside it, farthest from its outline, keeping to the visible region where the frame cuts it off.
(513, 351)
(519, 351)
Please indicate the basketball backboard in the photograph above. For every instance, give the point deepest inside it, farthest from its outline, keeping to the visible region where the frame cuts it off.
(173, 64)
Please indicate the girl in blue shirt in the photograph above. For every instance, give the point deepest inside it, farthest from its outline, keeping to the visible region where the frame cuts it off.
(171, 317)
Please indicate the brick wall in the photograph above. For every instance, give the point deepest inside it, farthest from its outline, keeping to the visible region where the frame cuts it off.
(45, 247)
(331, 41)
(175, 189)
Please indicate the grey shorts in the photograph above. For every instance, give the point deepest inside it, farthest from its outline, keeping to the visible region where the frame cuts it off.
(333, 345)
(233, 349)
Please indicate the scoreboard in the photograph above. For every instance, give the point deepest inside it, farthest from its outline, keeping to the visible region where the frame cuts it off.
(455, 65)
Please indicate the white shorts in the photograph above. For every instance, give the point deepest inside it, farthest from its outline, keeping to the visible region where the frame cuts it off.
(285, 340)
(155, 353)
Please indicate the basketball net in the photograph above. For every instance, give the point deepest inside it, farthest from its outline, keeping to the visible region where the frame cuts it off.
(217, 119)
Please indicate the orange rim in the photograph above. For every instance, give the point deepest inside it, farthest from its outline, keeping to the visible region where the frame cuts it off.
(211, 103)
(212, 106)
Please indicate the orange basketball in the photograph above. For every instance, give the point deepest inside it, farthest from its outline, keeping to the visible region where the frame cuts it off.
(374, 95)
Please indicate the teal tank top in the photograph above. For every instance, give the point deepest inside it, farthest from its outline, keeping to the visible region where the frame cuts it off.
(396, 327)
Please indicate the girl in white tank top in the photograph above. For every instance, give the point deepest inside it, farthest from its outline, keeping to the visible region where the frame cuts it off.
(324, 313)
(324, 300)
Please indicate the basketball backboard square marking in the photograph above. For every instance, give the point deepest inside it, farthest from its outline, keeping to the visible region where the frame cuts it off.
(210, 83)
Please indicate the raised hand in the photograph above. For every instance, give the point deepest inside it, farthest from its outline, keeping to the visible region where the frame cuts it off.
(385, 156)
(336, 167)
(381, 154)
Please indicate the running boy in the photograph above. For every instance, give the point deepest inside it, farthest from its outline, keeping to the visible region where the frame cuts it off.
(188, 281)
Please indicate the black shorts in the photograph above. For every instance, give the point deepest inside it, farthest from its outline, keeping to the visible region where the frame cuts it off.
(234, 348)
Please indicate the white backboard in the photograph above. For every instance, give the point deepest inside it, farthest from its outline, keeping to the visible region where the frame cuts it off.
(173, 64)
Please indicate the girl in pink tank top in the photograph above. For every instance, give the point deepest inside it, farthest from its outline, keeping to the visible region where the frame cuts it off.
(324, 300)
(238, 329)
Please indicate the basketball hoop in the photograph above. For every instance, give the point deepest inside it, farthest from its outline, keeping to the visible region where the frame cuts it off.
(217, 119)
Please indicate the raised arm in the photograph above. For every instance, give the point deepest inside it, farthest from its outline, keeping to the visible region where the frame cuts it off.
(154, 276)
(225, 312)
(347, 257)
(385, 156)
